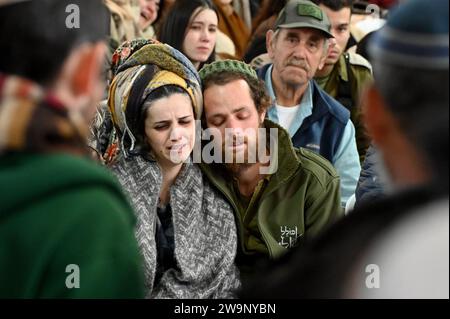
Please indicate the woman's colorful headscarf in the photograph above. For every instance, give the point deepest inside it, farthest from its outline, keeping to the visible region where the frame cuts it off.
(140, 67)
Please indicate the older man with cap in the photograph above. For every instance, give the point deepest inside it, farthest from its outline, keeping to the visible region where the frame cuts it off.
(396, 247)
(298, 47)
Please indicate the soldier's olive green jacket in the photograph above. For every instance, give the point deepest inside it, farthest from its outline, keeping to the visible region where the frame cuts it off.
(299, 200)
(361, 74)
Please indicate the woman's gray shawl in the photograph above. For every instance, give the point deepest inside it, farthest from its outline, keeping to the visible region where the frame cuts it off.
(204, 230)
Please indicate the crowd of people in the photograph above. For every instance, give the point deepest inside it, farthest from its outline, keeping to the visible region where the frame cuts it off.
(195, 148)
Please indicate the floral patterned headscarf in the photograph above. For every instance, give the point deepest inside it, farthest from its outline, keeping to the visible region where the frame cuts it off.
(140, 67)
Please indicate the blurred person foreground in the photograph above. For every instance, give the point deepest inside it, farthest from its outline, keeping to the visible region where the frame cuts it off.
(65, 225)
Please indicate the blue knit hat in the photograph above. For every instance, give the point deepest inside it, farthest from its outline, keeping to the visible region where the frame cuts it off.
(415, 35)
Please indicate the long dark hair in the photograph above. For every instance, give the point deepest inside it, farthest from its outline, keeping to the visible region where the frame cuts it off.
(175, 24)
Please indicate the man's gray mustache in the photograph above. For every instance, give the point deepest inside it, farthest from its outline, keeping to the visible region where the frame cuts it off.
(299, 63)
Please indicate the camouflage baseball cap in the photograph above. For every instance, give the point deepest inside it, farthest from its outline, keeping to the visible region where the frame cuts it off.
(303, 14)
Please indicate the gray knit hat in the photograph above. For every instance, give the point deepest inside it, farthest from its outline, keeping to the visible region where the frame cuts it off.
(227, 66)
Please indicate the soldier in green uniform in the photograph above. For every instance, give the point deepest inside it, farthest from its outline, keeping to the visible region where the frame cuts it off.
(344, 74)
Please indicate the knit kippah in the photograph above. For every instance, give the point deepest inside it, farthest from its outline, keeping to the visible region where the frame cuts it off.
(415, 35)
(227, 66)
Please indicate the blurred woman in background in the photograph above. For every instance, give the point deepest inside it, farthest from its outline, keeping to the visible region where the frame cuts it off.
(150, 14)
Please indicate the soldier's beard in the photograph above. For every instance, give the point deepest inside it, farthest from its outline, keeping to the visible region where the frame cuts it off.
(237, 169)
(241, 162)
(250, 157)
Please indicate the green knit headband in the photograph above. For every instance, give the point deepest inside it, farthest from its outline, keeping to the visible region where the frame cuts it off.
(233, 66)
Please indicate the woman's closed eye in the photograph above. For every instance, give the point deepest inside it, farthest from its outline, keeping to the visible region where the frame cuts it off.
(161, 126)
(185, 120)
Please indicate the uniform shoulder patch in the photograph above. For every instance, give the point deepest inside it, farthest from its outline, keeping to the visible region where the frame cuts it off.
(356, 59)
(260, 61)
